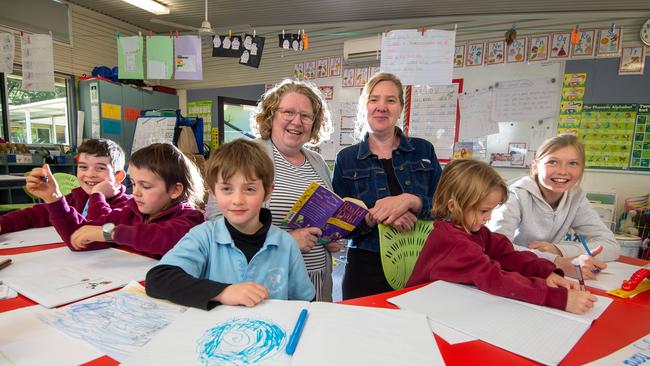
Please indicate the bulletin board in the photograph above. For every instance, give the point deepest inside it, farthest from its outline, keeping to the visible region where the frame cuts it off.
(525, 132)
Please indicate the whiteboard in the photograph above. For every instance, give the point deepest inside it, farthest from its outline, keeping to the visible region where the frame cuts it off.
(532, 131)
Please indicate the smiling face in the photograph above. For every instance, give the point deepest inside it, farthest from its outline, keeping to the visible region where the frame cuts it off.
(240, 200)
(149, 191)
(93, 169)
(557, 172)
(475, 218)
(292, 123)
(384, 107)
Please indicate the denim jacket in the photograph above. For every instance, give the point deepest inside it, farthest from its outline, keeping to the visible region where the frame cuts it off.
(359, 173)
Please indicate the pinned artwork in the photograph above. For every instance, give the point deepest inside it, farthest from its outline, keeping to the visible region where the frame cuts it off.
(252, 51)
(321, 68)
(298, 71)
(348, 77)
(474, 55)
(495, 52)
(372, 70)
(632, 61)
(459, 56)
(328, 92)
(335, 68)
(517, 151)
(360, 76)
(284, 40)
(560, 45)
(517, 51)
(227, 46)
(7, 47)
(585, 45)
(609, 42)
(310, 70)
(538, 48)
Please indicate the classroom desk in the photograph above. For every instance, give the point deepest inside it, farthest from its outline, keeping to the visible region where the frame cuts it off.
(624, 321)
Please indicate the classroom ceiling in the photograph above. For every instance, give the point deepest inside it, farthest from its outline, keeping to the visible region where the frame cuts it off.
(267, 16)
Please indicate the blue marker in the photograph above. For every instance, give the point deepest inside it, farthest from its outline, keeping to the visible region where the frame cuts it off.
(584, 244)
(297, 331)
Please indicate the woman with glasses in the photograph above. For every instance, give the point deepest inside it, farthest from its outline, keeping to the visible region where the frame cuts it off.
(394, 175)
(289, 116)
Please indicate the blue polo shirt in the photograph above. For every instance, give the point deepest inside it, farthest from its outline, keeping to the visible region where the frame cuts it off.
(208, 251)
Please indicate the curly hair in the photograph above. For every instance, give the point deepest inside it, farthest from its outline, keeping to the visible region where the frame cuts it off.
(262, 117)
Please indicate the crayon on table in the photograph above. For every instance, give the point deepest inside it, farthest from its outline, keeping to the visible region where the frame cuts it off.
(297, 331)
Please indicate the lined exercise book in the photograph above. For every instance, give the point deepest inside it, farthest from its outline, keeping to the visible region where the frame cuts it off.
(59, 276)
(516, 326)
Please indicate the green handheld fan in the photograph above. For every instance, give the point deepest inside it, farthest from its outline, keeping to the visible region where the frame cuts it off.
(400, 250)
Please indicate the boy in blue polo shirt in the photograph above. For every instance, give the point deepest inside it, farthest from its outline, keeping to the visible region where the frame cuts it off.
(240, 259)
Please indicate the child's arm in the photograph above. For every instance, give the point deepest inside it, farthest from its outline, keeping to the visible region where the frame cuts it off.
(157, 237)
(578, 302)
(499, 248)
(98, 206)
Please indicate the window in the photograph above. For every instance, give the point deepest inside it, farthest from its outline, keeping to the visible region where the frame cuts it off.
(234, 118)
(37, 117)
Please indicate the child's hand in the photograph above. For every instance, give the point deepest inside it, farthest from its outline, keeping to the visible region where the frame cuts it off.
(108, 189)
(555, 280)
(41, 183)
(543, 246)
(247, 294)
(85, 235)
(579, 302)
(306, 237)
(588, 265)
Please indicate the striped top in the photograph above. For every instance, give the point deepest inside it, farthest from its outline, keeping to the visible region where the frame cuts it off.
(290, 182)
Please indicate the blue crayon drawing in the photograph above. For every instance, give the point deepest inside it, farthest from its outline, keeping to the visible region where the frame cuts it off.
(241, 341)
(117, 323)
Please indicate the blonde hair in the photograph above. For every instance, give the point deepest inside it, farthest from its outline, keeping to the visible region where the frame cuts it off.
(361, 124)
(262, 116)
(556, 143)
(240, 156)
(465, 183)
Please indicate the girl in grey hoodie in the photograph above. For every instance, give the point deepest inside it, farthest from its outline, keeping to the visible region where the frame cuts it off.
(544, 206)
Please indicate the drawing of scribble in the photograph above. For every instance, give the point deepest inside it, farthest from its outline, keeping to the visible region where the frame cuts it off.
(118, 323)
(241, 341)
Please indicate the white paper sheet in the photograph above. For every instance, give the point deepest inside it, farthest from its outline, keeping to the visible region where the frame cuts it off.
(241, 336)
(25, 340)
(30, 237)
(449, 334)
(526, 100)
(636, 353)
(475, 112)
(515, 326)
(7, 52)
(38, 62)
(419, 59)
(433, 116)
(117, 323)
(59, 276)
(156, 69)
(612, 277)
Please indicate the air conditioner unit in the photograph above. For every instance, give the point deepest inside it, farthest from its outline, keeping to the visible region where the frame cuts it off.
(362, 50)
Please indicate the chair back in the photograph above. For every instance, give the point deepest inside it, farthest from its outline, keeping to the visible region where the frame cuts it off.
(400, 250)
(67, 182)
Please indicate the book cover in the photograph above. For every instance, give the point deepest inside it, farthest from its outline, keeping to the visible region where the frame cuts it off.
(319, 207)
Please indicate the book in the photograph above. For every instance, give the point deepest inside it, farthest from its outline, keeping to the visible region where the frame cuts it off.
(319, 207)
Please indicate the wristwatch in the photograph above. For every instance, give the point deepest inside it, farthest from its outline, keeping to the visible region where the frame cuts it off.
(108, 229)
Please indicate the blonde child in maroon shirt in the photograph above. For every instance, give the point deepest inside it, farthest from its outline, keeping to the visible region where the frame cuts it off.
(461, 249)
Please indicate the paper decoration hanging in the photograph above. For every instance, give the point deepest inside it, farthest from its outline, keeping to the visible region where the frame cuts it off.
(459, 56)
(474, 56)
(160, 57)
(284, 40)
(7, 47)
(538, 48)
(609, 42)
(38, 62)
(227, 46)
(129, 57)
(495, 52)
(632, 61)
(335, 66)
(253, 48)
(187, 58)
(560, 45)
(585, 44)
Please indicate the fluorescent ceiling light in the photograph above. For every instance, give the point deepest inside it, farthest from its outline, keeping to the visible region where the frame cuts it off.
(150, 6)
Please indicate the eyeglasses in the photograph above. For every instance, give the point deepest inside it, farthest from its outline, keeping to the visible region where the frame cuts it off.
(289, 115)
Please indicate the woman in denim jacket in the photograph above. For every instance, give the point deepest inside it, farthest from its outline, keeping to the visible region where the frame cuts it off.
(394, 175)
